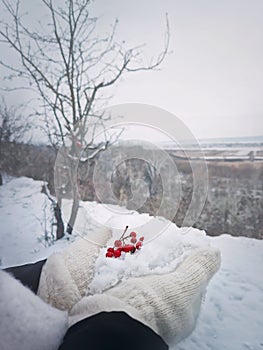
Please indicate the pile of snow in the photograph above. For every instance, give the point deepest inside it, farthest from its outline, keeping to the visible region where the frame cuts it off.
(157, 256)
(165, 245)
(231, 316)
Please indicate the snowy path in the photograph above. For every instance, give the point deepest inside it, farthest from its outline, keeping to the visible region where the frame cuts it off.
(232, 314)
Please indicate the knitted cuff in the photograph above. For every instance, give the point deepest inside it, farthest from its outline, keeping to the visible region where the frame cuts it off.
(92, 305)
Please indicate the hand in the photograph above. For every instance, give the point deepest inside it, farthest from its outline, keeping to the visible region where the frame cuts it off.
(27, 323)
(66, 275)
(169, 303)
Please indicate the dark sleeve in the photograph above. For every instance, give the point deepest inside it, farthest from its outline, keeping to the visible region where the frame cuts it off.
(111, 330)
(28, 274)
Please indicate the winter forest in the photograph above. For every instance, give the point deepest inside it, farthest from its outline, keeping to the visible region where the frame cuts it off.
(138, 117)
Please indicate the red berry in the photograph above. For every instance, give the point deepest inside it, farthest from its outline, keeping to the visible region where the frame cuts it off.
(142, 239)
(133, 234)
(139, 245)
(109, 255)
(118, 243)
(117, 253)
(111, 250)
(127, 248)
(133, 240)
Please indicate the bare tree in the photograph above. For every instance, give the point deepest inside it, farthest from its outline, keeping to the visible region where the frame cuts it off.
(71, 67)
(12, 126)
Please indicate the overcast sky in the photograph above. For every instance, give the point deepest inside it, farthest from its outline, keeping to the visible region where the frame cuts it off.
(213, 79)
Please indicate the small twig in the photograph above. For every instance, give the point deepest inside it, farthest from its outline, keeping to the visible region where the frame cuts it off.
(126, 228)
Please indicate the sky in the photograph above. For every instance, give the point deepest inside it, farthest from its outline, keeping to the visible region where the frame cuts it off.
(212, 79)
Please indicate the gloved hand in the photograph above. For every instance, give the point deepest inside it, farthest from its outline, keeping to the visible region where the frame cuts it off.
(66, 275)
(27, 323)
(169, 303)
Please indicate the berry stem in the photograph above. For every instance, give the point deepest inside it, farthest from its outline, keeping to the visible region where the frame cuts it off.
(126, 228)
(126, 237)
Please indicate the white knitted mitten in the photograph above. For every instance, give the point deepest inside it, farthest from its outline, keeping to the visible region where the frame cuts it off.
(169, 303)
(66, 275)
(26, 322)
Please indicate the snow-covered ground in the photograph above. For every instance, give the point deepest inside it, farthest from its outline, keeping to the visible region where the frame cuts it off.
(232, 314)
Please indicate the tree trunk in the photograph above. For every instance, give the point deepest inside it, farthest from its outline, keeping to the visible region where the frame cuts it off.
(75, 192)
(73, 215)
(57, 212)
(60, 225)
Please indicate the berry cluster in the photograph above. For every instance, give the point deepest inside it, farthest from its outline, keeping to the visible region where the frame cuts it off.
(120, 245)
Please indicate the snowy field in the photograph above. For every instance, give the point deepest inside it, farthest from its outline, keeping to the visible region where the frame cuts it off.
(220, 149)
(232, 313)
